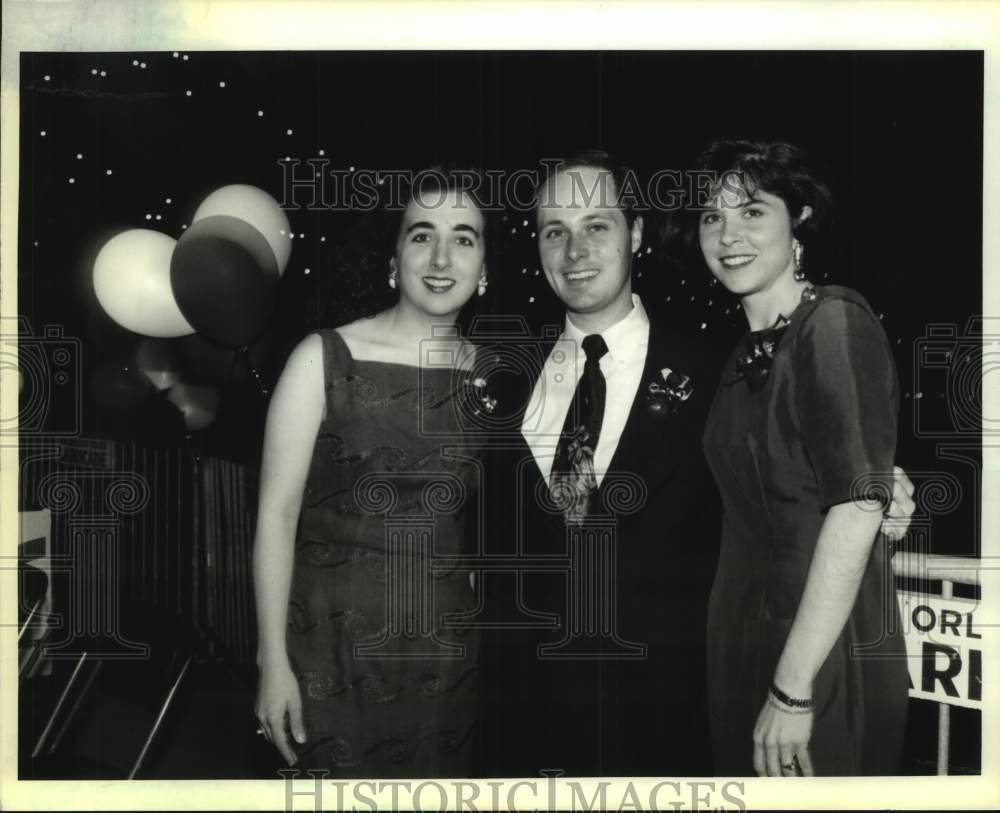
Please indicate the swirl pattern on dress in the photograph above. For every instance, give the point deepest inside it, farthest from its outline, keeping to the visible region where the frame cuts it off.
(390, 473)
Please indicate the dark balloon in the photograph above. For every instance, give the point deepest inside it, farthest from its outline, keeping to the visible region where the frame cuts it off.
(207, 362)
(120, 385)
(199, 405)
(157, 361)
(224, 276)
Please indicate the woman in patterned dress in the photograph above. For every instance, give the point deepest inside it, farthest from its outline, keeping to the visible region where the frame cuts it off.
(365, 668)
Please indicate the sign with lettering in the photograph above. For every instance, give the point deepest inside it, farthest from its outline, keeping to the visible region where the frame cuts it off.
(87, 453)
(945, 647)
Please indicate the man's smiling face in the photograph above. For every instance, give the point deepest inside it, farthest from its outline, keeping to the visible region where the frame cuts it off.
(586, 244)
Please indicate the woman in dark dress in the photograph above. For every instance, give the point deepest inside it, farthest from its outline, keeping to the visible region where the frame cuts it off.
(364, 480)
(807, 672)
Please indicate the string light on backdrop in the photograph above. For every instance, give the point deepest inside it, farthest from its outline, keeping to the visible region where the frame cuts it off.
(200, 322)
(190, 112)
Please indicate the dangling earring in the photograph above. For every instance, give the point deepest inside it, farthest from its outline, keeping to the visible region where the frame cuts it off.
(392, 274)
(799, 274)
(483, 282)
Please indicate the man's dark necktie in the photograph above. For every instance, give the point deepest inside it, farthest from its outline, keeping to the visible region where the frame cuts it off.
(573, 481)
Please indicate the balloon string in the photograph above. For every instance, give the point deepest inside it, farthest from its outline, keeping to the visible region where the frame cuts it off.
(192, 449)
(239, 353)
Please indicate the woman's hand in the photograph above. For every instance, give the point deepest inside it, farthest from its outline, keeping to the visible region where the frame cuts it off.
(781, 741)
(900, 511)
(279, 708)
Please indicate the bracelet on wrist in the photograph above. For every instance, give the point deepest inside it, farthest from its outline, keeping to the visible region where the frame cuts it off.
(805, 704)
(771, 701)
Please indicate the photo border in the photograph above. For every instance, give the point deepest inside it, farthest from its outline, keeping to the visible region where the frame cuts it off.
(167, 25)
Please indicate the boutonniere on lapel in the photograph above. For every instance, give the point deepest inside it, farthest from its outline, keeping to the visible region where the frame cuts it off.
(665, 394)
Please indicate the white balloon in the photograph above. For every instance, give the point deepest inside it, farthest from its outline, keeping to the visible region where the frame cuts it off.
(257, 208)
(132, 282)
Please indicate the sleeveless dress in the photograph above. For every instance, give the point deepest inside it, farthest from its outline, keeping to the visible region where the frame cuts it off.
(785, 447)
(387, 671)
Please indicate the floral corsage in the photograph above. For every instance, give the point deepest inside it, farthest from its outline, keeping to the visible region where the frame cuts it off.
(665, 394)
(482, 402)
(754, 363)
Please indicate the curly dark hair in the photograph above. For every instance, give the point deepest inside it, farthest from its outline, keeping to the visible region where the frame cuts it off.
(776, 167)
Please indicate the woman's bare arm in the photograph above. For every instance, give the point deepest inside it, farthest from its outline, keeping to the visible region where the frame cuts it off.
(293, 420)
(839, 561)
(838, 565)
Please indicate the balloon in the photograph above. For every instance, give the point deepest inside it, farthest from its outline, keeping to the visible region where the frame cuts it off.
(224, 278)
(119, 385)
(256, 207)
(156, 360)
(199, 405)
(132, 283)
(160, 421)
(204, 361)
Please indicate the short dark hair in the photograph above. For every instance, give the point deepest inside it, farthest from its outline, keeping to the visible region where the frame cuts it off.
(778, 168)
(440, 178)
(360, 264)
(621, 173)
(445, 177)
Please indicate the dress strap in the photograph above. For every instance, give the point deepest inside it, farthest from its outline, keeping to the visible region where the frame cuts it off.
(338, 363)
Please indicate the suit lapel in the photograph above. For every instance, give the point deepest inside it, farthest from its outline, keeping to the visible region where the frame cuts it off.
(651, 447)
(545, 349)
(644, 449)
(541, 531)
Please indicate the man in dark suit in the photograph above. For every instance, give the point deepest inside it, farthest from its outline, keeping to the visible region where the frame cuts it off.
(601, 520)
(602, 503)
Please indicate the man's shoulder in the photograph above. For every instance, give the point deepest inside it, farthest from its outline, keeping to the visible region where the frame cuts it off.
(692, 350)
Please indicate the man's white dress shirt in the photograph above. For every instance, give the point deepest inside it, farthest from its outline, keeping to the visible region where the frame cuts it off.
(622, 366)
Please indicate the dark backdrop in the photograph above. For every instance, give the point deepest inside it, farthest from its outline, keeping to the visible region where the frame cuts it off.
(900, 134)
